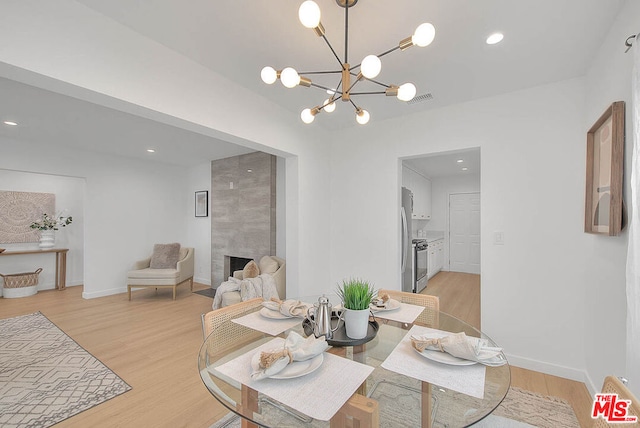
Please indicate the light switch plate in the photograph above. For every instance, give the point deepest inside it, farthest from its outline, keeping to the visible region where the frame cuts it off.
(498, 238)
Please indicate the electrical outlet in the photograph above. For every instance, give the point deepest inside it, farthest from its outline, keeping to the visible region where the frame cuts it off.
(498, 238)
(231, 185)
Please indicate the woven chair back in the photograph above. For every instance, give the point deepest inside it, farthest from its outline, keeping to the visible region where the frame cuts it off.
(430, 316)
(225, 333)
(613, 385)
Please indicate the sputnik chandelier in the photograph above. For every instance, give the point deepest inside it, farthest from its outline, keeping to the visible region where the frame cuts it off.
(369, 68)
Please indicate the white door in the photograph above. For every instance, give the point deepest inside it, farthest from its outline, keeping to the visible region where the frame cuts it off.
(464, 232)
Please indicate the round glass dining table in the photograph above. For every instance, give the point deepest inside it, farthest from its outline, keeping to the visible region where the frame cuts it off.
(399, 400)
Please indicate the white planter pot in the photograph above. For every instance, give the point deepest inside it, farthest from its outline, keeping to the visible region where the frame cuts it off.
(356, 323)
(47, 238)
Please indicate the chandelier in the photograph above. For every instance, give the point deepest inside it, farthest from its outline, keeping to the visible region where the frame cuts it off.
(368, 69)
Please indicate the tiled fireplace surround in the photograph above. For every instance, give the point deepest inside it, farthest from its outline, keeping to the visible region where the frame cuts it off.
(243, 211)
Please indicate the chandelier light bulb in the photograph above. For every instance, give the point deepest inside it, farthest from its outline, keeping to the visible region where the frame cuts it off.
(370, 66)
(307, 116)
(309, 14)
(329, 107)
(406, 92)
(269, 75)
(362, 116)
(424, 35)
(289, 77)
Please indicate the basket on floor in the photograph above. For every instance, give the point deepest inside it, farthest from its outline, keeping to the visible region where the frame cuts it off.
(20, 280)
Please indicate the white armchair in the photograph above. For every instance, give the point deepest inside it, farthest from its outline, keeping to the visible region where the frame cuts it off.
(279, 276)
(144, 276)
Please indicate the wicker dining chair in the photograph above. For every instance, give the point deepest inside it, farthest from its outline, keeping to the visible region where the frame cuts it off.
(613, 385)
(211, 322)
(430, 316)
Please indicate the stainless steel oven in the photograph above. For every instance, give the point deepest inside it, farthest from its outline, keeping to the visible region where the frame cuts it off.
(420, 262)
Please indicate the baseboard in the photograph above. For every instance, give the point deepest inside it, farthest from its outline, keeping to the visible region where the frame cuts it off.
(103, 293)
(205, 281)
(553, 369)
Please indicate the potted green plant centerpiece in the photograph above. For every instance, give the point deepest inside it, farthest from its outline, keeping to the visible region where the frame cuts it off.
(356, 295)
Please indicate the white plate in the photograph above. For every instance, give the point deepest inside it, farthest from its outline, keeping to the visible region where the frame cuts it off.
(295, 369)
(276, 315)
(392, 305)
(443, 357)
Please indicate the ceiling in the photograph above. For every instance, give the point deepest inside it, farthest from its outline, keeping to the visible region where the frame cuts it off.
(545, 41)
(448, 164)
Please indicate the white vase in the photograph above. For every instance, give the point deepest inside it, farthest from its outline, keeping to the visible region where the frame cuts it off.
(356, 323)
(47, 238)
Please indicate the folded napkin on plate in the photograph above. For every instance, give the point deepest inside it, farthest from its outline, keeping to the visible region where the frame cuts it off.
(461, 346)
(296, 348)
(290, 308)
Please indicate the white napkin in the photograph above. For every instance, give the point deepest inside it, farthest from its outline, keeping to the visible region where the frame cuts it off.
(289, 308)
(296, 348)
(461, 346)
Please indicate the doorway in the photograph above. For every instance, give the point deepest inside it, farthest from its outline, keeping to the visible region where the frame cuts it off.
(464, 232)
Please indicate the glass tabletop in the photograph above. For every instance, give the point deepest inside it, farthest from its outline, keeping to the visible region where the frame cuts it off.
(400, 398)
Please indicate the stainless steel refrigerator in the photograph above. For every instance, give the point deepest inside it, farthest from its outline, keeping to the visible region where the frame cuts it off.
(408, 280)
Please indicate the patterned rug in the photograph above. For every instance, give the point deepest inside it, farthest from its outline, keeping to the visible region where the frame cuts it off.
(519, 409)
(208, 292)
(45, 376)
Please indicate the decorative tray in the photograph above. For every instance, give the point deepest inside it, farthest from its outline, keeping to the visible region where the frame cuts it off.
(340, 337)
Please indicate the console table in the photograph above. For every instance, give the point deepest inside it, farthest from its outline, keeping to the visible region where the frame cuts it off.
(61, 262)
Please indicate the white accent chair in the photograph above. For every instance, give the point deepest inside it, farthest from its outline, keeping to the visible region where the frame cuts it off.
(279, 276)
(144, 276)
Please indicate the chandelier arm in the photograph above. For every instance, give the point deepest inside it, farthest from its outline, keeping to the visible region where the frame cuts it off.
(320, 72)
(379, 56)
(315, 85)
(374, 81)
(368, 93)
(332, 50)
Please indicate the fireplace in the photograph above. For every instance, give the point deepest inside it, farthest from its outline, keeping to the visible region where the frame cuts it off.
(232, 264)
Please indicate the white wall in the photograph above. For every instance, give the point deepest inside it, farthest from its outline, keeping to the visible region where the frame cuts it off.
(199, 228)
(441, 188)
(609, 80)
(69, 192)
(73, 50)
(533, 153)
(129, 205)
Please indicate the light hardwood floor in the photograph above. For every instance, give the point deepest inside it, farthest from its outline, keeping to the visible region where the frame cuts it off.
(459, 295)
(152, 343)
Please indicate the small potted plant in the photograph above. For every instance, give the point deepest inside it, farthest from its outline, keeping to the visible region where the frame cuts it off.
(356, 295)
(47, 227)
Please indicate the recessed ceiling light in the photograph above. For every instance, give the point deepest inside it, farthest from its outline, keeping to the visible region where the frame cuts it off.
(495, 38)
(464, 169)
(151, 150)
(460, 160)
(249, 170)
(10, 123)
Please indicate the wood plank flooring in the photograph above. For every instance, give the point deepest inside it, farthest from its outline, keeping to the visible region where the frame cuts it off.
(459, 295)
(152, 343)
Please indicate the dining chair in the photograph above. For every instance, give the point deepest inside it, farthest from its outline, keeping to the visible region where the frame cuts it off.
(429, 317)
(226, 334)
(614, 385)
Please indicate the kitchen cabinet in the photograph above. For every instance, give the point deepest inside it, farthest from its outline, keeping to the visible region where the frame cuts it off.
(421, 188)
(435, 260)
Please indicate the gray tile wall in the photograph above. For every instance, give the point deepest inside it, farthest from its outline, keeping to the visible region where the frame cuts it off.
(243, 215)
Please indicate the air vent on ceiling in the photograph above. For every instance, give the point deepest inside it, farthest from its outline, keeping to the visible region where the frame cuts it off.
(421, 98)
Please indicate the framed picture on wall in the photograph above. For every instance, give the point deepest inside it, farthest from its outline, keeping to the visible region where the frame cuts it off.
(605, 155)
(202, 203)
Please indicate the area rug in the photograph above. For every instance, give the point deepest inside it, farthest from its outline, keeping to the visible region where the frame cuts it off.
(519, 409)
(45, 376)
(208, 292)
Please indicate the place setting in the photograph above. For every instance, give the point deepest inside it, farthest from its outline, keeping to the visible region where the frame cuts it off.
(275, 316)
(299, 373)
(383, 306)
(450, 360)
